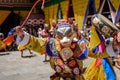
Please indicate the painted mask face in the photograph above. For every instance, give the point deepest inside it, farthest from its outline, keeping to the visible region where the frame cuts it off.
(65, 34)
(106, 30)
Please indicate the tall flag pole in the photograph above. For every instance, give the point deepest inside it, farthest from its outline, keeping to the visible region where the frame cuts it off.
(112, 11)
(59, 13)
(24, 22)
(101, 8)
(117, 16)
(87, 11)
(42, 7)
(86, 14)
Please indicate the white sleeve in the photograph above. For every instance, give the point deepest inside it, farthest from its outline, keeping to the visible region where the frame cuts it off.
(25, 39)
(18, 40)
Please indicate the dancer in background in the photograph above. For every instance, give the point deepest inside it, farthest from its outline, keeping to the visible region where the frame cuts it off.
(22, 48)
(101, 68)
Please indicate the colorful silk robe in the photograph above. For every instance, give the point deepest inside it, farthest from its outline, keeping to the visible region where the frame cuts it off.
(100, 67)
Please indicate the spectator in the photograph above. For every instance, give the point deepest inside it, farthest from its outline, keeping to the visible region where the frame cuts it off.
(39, 32)
(45, 33)
(53, 28)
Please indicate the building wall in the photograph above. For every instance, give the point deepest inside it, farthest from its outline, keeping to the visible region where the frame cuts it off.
(79, 8)
(15, 1)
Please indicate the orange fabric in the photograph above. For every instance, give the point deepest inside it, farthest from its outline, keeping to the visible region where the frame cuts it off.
(8, 40)
(98, 62)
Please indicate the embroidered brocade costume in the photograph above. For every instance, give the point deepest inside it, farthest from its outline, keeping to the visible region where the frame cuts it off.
(67, 62)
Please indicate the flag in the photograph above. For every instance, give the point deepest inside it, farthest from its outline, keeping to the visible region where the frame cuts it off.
(94, 38)
(112, 11)
(118, 15)
(87, 11)
(97, 42)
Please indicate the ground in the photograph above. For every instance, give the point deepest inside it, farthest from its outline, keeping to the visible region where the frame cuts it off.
(13, 67)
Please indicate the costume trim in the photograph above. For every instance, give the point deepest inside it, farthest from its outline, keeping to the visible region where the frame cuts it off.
(25, 39)
(83, 55)
(50, 48)
(84, 51)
